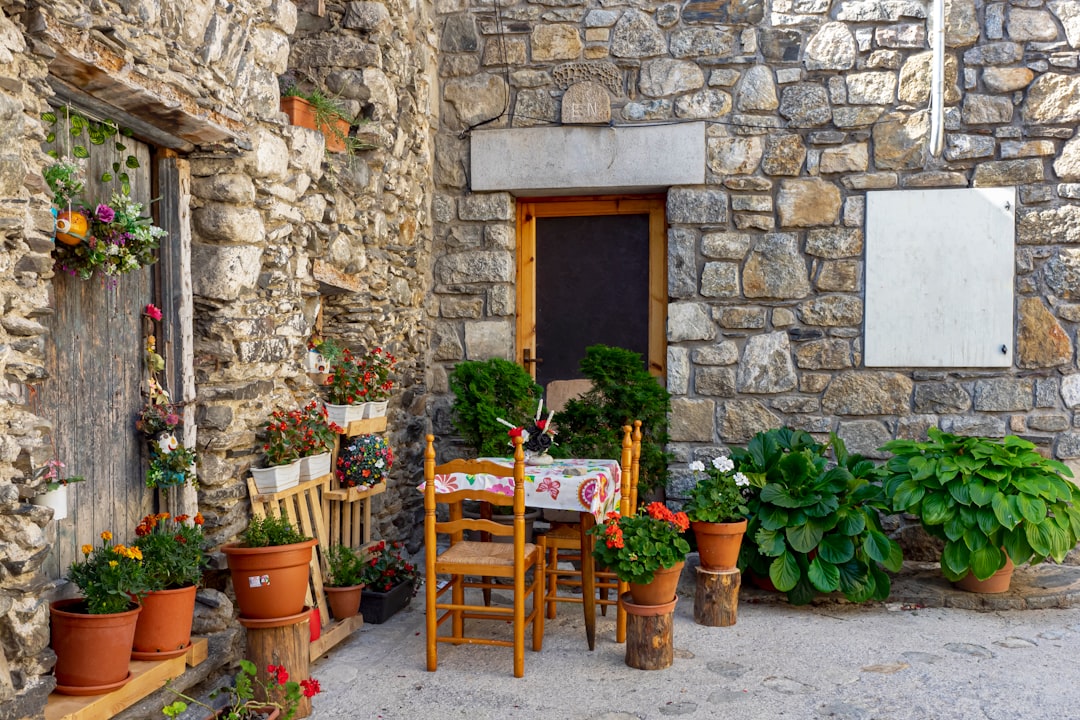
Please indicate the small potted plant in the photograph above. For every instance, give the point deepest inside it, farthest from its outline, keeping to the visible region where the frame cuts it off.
(171, 464)
(717, 511)
(995, 503)
(92, 635)
(365, 461)
(389, 580)
(484, 391)
(317, 436)
(250, 696)
(315, 111)
(54, 493)
(344, 581)
(285, 441)
(269, 568)
(646, 550)
(172, 550)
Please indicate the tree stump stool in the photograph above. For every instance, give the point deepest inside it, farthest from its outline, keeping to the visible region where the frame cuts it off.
(649, 634)
(716, 599)
(282, 641)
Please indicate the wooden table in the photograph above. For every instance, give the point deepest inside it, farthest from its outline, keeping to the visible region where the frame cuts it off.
(593, 488)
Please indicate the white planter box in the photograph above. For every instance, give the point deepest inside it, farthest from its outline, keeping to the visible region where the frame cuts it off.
(56, 499)
(314, 466)
(344, 414)
(376, 409)
(276, 477)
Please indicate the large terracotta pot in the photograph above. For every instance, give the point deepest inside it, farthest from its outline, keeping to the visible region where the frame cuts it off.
(718, 544)
(661, 590)
(164, 627)
(997, 583)
(92, 651)
(270, 582)
(344, 601)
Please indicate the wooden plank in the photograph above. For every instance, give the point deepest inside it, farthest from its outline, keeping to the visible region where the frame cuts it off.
(146, 678)
(366, 426)
(334, 634)
(353, 494)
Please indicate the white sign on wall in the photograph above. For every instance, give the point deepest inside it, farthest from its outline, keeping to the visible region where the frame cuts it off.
(939, 278)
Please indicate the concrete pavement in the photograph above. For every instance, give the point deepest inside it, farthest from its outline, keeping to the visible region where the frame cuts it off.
(911, 658)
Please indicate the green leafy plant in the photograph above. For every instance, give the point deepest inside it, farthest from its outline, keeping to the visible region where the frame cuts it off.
(317, 434)
(171, 464)
(172, 550)
(357, 378)
(65, 179)
(109, 576)
(384, 568)
(622, 391)
(719, 496)
(279, 692)
(485, 390)
(271, 531)
(345, 567)
(981, 495)
(815, 528)
(635, 547)
(330, 118)
(66, 122)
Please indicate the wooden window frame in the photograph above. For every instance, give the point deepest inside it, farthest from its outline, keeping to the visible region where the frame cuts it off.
(529, 209)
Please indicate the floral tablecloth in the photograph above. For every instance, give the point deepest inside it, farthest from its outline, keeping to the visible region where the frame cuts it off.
(593, 486)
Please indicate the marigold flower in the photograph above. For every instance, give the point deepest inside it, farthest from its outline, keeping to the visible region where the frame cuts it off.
(87, 549)
(199, 520)
(106, 535)
(113, 563)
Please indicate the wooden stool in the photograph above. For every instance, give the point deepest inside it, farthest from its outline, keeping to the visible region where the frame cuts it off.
(716, 599)
(281, 641)
(649, 644)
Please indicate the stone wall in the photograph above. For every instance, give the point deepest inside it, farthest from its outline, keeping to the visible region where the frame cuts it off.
(808, 105)
(263, 208)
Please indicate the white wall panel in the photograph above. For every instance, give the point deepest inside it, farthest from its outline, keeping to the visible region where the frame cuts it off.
(939, 278)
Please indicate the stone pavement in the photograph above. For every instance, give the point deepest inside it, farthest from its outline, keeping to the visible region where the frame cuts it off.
(929, 653)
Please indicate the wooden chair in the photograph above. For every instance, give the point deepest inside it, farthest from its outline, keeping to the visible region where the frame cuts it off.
(563, 543)
(484, 560)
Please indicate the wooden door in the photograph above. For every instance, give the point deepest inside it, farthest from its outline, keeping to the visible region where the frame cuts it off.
(94, 359)
(590, 271)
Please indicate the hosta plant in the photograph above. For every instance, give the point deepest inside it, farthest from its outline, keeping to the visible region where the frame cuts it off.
(984, 498)
(813, 525)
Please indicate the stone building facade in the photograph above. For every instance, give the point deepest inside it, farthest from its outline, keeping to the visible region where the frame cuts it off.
(802, 107)
(807, 107)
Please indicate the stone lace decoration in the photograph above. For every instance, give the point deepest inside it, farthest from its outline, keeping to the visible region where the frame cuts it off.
(604, 73)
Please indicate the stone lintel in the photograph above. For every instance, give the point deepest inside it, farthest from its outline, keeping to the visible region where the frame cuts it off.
(88, 72)
(332, 281)
(578, 160)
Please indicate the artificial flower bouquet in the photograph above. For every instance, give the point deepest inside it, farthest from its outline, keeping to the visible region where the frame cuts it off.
(636, 546)
(364, 461)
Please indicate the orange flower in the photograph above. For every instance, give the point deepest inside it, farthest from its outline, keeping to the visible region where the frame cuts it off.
(106, 535)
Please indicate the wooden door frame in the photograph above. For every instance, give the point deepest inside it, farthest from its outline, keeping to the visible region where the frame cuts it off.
(529, 209)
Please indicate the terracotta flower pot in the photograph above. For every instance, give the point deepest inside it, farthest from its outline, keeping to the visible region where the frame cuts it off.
(661, 590)
(164, 627)
(719, 543)
(344, 601)
(997, 583)
(92, 651)
(270, 582)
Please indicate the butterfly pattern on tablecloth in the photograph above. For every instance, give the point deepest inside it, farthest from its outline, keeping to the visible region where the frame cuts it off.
(550, 486)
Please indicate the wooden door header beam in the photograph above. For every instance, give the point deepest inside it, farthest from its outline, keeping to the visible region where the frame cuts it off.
(88, 71)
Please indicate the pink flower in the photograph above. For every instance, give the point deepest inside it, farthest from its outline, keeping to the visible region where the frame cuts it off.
(152, 309)
(104, 214)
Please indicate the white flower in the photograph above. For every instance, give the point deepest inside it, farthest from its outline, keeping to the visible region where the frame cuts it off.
(697, 466)
(740, 479)
(723, 463)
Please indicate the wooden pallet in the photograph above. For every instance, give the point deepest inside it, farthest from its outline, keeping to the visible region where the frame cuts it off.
(348, 510)
(146, 677)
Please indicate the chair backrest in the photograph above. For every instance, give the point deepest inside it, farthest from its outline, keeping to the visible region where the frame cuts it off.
(631, 468)
(457, 524)
(558, 392)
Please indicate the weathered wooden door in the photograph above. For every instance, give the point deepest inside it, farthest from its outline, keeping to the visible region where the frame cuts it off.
(93, 392)
(590, 271)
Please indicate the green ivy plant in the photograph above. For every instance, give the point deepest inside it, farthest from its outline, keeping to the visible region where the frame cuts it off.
(622, 391)
(96, 133)
(981, 496)
(815, 528)
(485, 390)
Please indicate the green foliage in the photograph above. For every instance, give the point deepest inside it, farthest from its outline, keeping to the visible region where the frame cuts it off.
(271, 531)
(622, 391)
(635, 547)
(278, 692)
(345, 567)
(384, 568)
(981, 495)
(109, 576)
(485, 390)
(720, 496)
(172, 550)
(97, 133)
(814, 528)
